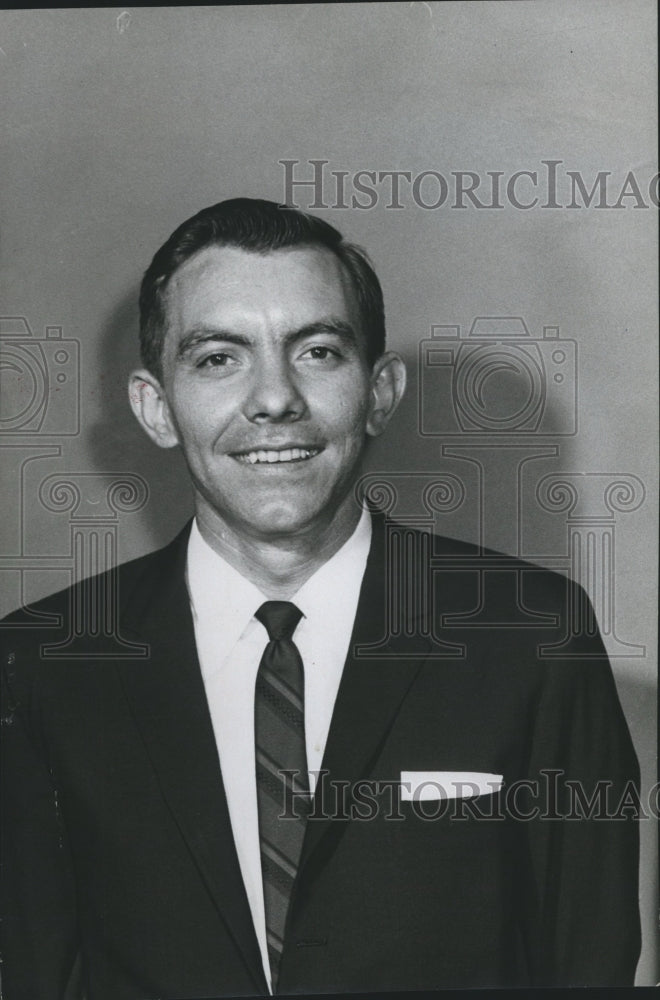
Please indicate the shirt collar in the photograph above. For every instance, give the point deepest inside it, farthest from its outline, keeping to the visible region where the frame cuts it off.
(333, 583)
(220, 596)
(219, 593)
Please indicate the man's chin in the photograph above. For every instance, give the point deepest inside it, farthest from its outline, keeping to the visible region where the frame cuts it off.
(274, 516)
(279, 522)
(282, 523)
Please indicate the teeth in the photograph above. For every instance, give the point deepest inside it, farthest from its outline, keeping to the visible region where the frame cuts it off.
(270, 457)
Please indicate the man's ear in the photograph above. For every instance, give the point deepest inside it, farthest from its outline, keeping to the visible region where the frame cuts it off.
(388, 384)
(149, 404)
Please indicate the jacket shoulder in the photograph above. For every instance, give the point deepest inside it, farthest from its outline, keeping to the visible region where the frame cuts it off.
(456, 555)
(128, 573)
(508, 601)
(80, 608)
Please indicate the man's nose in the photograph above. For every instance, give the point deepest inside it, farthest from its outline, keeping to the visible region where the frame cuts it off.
(274, 393)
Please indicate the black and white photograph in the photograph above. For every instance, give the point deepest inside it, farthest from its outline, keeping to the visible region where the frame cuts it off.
(329, 536)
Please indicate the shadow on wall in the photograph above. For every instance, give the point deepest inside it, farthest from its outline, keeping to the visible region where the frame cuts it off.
(490, 414)
(118, 444)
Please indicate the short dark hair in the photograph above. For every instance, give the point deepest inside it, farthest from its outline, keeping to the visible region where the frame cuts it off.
(257, 226)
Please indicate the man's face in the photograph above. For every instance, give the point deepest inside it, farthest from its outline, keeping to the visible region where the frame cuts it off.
(266, 387)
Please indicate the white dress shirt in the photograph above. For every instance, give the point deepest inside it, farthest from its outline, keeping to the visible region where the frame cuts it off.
(230, 642)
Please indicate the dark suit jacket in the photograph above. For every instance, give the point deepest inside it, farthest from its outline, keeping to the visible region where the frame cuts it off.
(119, 848)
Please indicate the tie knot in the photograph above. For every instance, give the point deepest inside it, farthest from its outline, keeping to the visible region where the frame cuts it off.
(279, 618)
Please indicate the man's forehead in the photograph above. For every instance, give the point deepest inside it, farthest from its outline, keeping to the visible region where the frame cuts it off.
(232, 273)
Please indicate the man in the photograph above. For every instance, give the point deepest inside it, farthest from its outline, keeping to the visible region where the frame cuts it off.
(259, 803)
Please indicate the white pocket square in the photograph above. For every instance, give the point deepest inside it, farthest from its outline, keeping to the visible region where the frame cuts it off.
(422, 786)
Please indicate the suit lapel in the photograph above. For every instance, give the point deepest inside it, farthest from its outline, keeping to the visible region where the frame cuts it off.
(378, 673)
(168, 701)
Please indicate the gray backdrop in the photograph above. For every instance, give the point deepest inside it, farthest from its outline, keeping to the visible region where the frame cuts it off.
(121, 123)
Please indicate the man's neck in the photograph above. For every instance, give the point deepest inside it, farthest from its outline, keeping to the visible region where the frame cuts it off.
(280, 565)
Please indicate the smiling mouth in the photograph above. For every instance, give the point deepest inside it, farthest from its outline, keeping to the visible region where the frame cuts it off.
(272, 457)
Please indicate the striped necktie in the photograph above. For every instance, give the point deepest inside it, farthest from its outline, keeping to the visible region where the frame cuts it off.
(281, 765)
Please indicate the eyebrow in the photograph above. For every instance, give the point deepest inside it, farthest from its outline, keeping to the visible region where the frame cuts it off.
(207, 334)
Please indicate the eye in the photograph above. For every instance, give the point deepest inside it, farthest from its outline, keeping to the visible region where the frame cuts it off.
(216, 360)
(320, 352)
